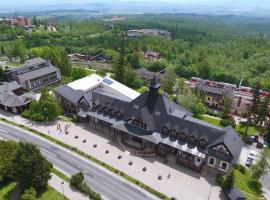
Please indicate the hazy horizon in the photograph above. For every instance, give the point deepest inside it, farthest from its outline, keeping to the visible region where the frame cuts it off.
(246, 7)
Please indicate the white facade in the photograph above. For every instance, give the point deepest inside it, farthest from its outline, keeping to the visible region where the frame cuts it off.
(105, 85)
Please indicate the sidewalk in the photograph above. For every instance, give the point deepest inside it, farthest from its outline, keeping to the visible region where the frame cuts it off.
(64, 188)
(182, 183)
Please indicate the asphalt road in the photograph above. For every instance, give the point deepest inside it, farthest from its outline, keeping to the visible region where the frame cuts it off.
(109, 185)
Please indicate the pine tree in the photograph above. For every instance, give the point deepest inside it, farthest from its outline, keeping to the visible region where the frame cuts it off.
(119, 68)
(2, 51)
(263, 111)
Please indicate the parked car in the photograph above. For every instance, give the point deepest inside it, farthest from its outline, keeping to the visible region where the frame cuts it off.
(249, 161)
(250, 158)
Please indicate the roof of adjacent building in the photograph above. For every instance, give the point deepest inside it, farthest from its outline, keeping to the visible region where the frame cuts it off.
(157, 111)
(86, 83)
(74, 91)
(234, 194)
(13, 95)
(37, 73)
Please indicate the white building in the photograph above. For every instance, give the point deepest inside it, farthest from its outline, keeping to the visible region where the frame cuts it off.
(69, 95)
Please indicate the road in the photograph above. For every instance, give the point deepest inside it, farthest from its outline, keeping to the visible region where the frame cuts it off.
(109, 185)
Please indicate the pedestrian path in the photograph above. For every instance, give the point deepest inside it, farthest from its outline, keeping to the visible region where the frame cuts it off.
(102, 147)
(64, 188)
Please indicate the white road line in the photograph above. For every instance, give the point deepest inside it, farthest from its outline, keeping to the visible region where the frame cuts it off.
(52, 154)
(3, 131)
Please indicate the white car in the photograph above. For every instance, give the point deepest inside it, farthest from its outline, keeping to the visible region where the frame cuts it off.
(251, 154)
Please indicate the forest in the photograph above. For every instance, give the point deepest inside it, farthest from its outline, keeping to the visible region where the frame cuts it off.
(225, 48)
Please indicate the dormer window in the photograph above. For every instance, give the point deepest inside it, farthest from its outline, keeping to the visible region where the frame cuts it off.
(173, 133)
(192, 140)
(202, 143)
(106, 110)
(164, 131)
(118, 115)
(100, 109)
(112, 113)
(138, 122)
(183, 137)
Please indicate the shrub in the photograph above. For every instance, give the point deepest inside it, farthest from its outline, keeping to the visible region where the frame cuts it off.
(219, 180)
(29, 194)
(77, 179)
(228, 122)
(241, 168)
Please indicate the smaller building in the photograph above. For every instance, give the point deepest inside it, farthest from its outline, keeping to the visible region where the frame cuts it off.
(69, 95)
(35, 74)
(147, 75)
(14, 98)
(234, 194)
(152, 55)
(18, 21)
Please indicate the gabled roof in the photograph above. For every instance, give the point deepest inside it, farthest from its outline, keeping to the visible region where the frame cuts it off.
(70, 94)
(157, 111)
(9, 98)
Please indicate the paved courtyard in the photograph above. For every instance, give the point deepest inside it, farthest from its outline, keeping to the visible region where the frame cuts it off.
(185, 184)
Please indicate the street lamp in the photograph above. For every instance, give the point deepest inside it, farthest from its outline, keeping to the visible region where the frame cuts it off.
(62, 183)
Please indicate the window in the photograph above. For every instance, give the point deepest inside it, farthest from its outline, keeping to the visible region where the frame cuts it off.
(183, 137)
(100, 109)
(164, 131)
(224, 165)
(202, 143)
(211, 161)
(192, 140)
(112, 113)
(173, 133)
(221, 149)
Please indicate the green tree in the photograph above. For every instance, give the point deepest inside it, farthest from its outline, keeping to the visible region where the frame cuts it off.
(168, 81)
(260, 168)
(204, 69)
(131, 79)
(46, 109)
(77, 179)
(228, 181)
(65, 66)
(227, 107)
(263, 111)
(19, 50)
(78, 73)
(29, 194)
(7, 154)
(2, 75)
(119, 64)
(2, 51)
(180, 88)
(32, 168)
(192, 103)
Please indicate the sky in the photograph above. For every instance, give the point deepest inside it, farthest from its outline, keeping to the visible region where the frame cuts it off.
(192, 6)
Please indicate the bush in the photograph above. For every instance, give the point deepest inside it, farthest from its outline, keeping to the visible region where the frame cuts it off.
(219, 180)
(241, 168)
(77, 182)
(29, 194)
(77, 179)
(228, 122)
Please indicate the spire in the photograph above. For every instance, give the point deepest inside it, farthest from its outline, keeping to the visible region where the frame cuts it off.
(154, 83)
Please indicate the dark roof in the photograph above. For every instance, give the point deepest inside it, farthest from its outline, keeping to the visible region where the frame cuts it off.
(157, 111)
(234, 194)
(37, 73)
(70, 94)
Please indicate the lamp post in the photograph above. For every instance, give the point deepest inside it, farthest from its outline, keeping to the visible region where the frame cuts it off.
(62, 183)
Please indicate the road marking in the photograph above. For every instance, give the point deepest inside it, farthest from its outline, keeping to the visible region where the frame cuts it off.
(52, 154)
(3, 131)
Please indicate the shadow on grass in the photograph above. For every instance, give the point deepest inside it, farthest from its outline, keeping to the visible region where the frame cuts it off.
(255, 186)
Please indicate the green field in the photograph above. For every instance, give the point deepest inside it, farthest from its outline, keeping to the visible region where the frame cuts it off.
(49, 194)
(4, 191)
(216, 122)
(248, 185)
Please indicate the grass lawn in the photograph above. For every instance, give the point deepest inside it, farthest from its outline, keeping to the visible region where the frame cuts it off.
(248, 185)
(52, 194)
(49, 194)
(216, 122)
(4, 191)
